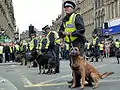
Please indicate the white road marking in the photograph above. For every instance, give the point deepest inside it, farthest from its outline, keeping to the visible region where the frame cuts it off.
(26, 81)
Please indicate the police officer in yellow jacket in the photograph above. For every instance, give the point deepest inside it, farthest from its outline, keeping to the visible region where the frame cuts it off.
(52, 36)
(73, 26)
(117, 44)
(43, 43)
(94, 46)
(33, 45)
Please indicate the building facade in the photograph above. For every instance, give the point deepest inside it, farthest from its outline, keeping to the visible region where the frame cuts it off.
(87, 12)
(7, 19)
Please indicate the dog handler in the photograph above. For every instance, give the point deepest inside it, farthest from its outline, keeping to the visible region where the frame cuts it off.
(72, 30)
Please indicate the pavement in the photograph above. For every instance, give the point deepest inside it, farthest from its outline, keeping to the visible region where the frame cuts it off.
(6, 84)
(9, 63)
(18, 77)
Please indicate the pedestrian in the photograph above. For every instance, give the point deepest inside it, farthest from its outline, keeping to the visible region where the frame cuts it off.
(72, 30)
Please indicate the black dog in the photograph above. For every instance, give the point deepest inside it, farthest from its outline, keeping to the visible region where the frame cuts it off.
(47, 61)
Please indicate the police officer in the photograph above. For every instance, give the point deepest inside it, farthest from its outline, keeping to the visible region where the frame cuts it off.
(52, 36)
(94, 46)
(72, 30)
(43, 43)
(1, 53)
(16, 52)
(33, 45)
(117, 44)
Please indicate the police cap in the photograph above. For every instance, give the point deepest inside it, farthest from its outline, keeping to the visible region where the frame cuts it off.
(69, 4)
(45, 27)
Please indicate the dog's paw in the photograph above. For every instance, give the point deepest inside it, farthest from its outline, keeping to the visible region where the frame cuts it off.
(81, 88)
(48, 73)
(39, 73)
(94, 87)
(72, 86)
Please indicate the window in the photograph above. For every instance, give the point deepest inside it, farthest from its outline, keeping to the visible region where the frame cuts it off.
(112, 10)
(108, 11)
(98, 3)
(102, 2)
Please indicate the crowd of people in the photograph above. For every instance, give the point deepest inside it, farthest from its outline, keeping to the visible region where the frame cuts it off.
(101, 47)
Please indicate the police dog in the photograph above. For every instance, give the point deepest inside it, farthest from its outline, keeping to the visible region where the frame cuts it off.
(46, 61)
(87, 71)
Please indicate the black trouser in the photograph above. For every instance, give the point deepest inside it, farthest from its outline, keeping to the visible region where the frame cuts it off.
(7, 57)
(1, 58)
(34, 54)
(56, 50)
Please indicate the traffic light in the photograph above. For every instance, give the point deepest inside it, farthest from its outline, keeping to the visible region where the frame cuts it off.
(31, 30)
(106, 25)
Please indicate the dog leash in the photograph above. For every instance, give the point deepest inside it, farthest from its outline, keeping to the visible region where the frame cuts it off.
(71, 44)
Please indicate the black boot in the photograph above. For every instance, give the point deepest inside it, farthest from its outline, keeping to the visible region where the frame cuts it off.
(96, 60)
(118, 60)
(71, 81)
(92, 60)
(57, 70)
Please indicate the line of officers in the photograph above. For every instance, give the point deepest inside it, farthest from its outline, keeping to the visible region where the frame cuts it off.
(105, 46)
(49, 42)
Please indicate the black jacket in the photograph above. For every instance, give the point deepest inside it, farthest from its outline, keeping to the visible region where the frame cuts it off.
(80, 29)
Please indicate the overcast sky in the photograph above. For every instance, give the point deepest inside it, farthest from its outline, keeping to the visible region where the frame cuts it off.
(36, 12)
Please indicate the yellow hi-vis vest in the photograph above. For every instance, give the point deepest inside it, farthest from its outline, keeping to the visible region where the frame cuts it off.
(39, 46)
(88, 45)
(67, 46)
(1, 49)
(94, 40)
(56, 36)
(70, 27)
(58, 41)
(17, 47)
(101, 46)
(32, 44)
(117, 44)
(11, 50)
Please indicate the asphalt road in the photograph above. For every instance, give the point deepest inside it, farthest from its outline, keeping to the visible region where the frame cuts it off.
(16, 77)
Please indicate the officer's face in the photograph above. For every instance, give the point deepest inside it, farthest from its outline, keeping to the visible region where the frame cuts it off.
(68, 10)
(47, 30)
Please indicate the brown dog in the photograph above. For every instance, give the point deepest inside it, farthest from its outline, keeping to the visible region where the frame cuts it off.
(87, 71)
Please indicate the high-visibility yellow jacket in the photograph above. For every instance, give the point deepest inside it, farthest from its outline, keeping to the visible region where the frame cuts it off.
(117, 44)
(70, 27)
(101, 46)
(94, 40)
(43, 43)
(1, 49)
